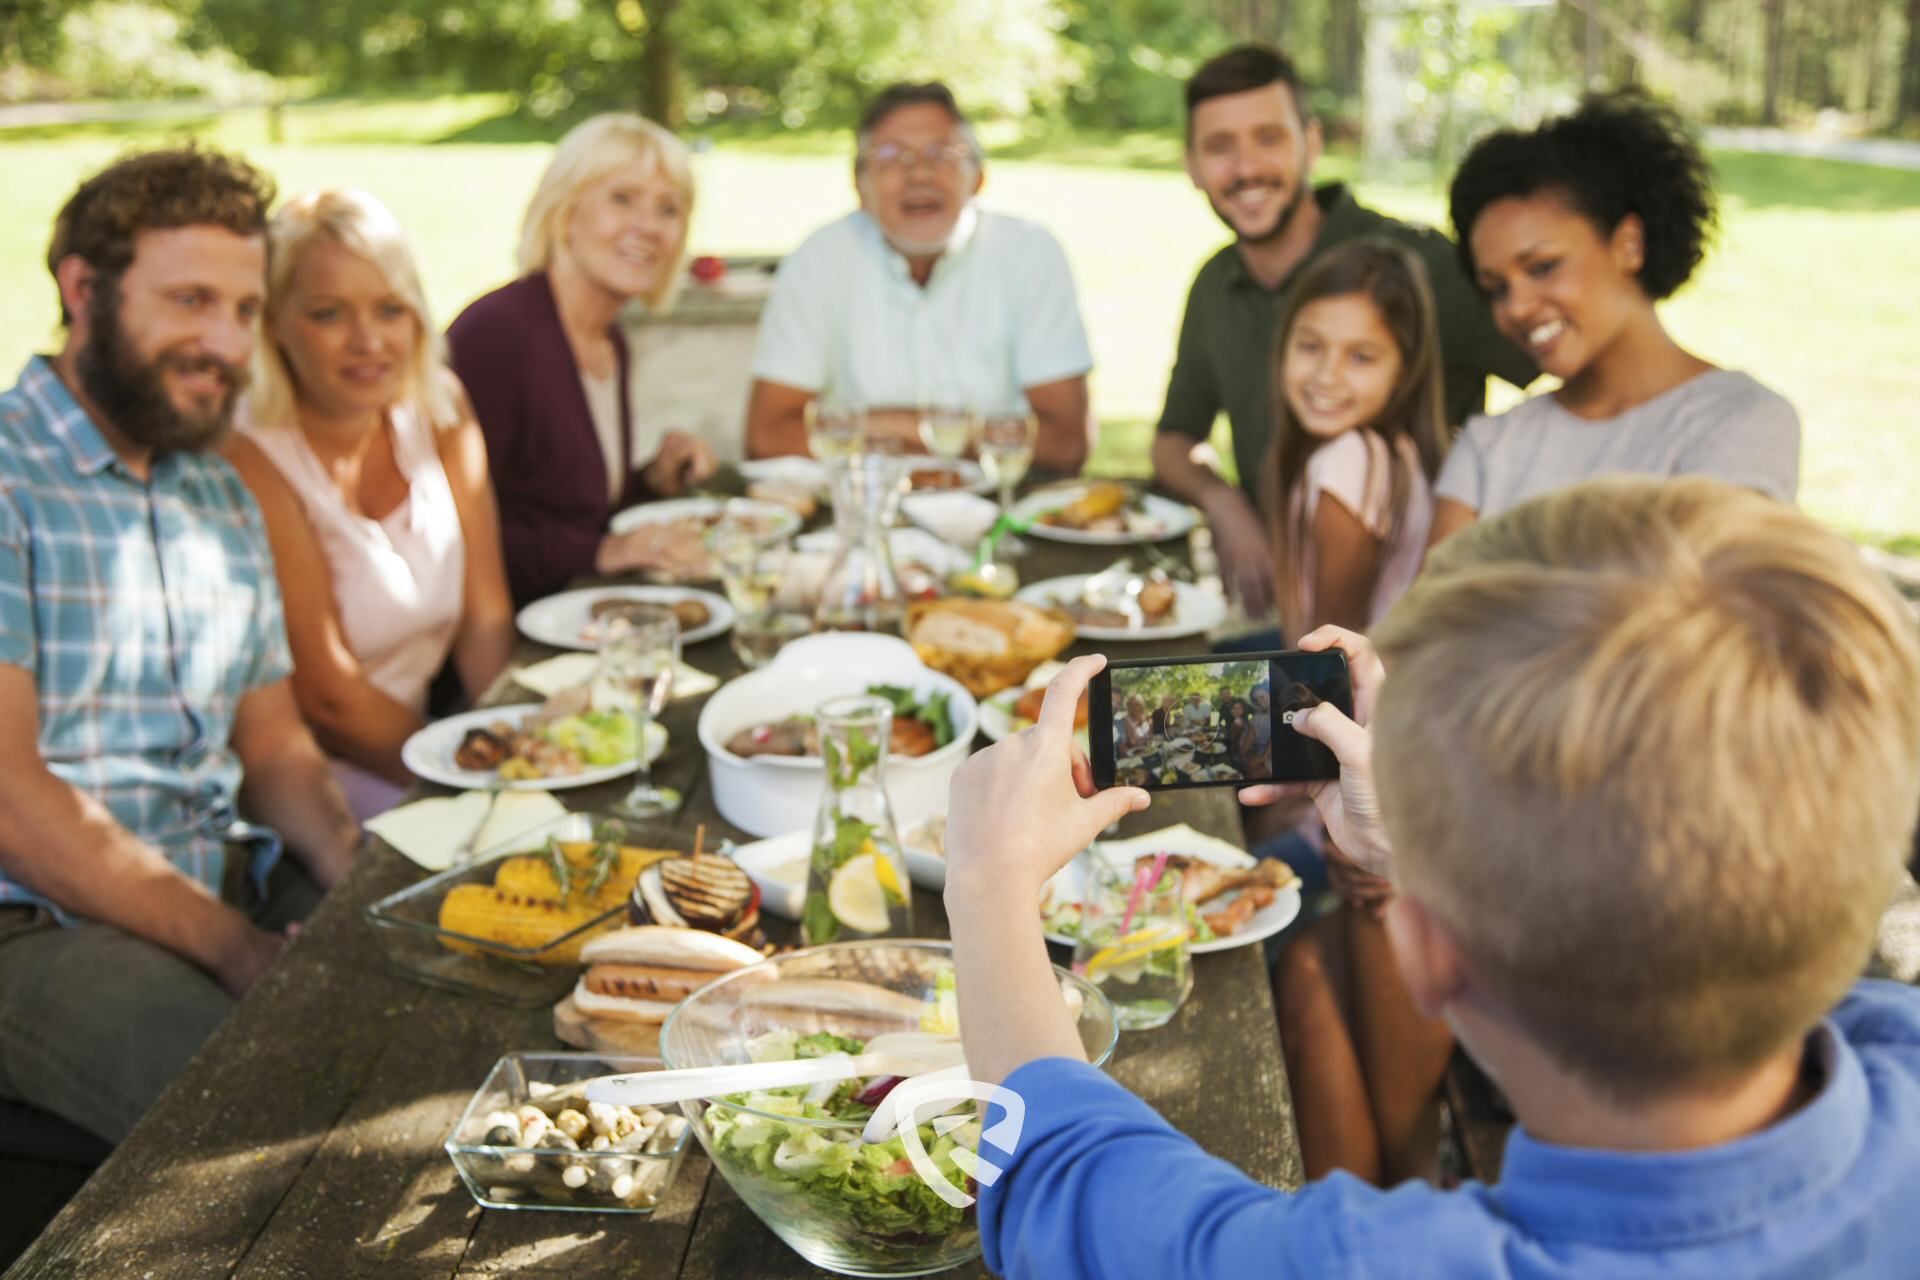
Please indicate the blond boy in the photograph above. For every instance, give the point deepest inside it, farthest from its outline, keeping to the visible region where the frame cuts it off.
(1647, 768)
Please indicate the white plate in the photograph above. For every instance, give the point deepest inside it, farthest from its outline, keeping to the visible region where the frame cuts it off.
(762, 857)
(972, 478)
(815, 477)
(785, 520)
(1163, 519)
(809, 474)
(560, 620)
(1195, 612)
(429, 754)
(1069, 885)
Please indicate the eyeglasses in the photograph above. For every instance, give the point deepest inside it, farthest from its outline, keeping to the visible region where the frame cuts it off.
(891, 156)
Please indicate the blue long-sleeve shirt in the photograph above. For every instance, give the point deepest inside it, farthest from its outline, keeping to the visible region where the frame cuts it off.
(1100, 1186)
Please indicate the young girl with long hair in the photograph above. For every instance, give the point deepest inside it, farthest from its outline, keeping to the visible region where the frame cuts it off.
(1358, 418)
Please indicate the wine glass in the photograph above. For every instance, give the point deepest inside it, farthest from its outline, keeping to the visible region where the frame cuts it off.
(1006, 451)
(639, 648)
(835, 429)
(946, 431)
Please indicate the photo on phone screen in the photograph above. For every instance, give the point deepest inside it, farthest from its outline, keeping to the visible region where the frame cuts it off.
(1213, 721)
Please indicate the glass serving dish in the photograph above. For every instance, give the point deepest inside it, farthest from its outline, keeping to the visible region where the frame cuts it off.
(537, 972)
(803, 1167)
(549, 1176)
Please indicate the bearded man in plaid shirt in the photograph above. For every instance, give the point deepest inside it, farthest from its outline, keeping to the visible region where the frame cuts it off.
(144, 700)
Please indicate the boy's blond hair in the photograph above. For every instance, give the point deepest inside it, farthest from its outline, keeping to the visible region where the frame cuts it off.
(591, 151)
(367, 229)
(1651, 752)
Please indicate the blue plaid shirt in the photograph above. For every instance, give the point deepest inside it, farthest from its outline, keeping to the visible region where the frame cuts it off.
(144, 612)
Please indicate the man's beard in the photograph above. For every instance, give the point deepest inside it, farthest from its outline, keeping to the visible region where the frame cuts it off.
(1281, 221)
(131, 394)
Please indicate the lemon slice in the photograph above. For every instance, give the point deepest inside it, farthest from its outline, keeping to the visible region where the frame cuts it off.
(889, 880)
(1135, 946)
(857, 897)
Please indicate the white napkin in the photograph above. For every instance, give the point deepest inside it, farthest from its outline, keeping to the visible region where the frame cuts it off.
(1176, 839)
(570, 670)
(440, 831)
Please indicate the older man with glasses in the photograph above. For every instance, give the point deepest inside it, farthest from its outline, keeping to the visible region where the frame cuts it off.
(923, 299)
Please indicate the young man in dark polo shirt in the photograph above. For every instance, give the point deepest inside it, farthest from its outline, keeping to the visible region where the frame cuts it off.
(1251, 146)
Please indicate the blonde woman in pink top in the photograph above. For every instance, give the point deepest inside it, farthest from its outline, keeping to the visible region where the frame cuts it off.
(363, 453)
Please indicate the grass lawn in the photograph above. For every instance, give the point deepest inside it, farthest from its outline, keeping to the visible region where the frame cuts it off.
(1811, 288)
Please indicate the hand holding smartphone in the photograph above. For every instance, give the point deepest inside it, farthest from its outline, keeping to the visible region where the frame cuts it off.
(1212, 721)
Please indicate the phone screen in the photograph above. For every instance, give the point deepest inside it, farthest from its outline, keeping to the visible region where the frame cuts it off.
(1213, 721)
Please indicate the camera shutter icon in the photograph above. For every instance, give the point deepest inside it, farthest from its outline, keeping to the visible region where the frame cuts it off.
(918, 1100)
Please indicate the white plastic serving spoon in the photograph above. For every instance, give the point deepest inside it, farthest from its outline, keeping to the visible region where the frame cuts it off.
(897, 1054)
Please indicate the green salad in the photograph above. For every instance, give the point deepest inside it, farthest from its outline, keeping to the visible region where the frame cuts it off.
(598, 737)
(827, 1177)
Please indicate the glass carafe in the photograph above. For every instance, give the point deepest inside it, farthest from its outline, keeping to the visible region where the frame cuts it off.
(856, 879)
(861, 591)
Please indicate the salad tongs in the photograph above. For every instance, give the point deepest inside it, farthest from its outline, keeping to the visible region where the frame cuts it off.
(903, 1054)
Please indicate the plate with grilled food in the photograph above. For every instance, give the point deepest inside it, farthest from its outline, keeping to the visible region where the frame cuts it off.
(528, 748)
(1104, 513)
(571, 620)
(1129, 606)
(1233, 899)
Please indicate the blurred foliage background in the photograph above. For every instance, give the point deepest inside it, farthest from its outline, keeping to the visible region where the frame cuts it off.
(1117, 64)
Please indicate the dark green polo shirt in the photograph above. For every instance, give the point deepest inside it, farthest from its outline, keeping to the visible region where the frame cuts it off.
(1225, 357)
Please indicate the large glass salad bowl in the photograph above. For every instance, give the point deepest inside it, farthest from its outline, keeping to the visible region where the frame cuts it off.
(797, 1156)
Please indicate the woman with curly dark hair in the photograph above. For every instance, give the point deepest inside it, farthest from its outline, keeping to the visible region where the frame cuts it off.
(1574, 231)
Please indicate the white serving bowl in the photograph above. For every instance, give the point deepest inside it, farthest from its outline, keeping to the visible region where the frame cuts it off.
(769, 795)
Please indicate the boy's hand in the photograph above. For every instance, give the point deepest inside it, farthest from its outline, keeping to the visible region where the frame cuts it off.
(1018, 811)
(1349, 806)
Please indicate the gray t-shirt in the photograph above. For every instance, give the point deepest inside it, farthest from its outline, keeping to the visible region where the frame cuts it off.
(1718, 423)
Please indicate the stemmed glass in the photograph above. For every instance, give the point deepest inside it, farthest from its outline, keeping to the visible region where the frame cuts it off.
(1006, 451)
(946, 431)
(835, 430)
(639, 648)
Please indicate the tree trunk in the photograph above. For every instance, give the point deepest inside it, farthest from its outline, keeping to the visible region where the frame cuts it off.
(1775, 43)
(1344, 44)
(659, 70)
(1909, 108)
(1693, 21)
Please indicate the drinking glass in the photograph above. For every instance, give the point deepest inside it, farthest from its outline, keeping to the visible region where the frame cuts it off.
(1133, 942)
(639, 647)
(758, 638)
(946, 431)
(751, 573)
(1006, 451)
(835, 429)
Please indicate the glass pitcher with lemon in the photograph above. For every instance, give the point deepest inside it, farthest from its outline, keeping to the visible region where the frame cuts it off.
(856, 879)
(1133, 941)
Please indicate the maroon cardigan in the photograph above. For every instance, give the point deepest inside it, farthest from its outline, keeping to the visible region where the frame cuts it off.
(548, 471)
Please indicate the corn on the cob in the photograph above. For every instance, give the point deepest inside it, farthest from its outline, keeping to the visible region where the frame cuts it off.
(518, 920)
(532, 874)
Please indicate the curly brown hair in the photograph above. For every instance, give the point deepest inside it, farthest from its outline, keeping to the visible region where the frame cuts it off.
(181, 186)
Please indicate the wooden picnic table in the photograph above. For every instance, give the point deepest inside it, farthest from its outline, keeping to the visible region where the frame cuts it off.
(304, 1140)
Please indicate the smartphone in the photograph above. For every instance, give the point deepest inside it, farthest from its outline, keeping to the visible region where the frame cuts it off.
(1221, 720)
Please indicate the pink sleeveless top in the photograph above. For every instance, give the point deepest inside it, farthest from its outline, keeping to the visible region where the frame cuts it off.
(398, 582)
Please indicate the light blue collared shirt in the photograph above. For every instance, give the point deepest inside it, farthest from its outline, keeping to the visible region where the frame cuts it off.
(144, 611)
(1100, 1186)
(998, 315)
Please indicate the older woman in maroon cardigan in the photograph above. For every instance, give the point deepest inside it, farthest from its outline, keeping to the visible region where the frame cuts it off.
(546, 364)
